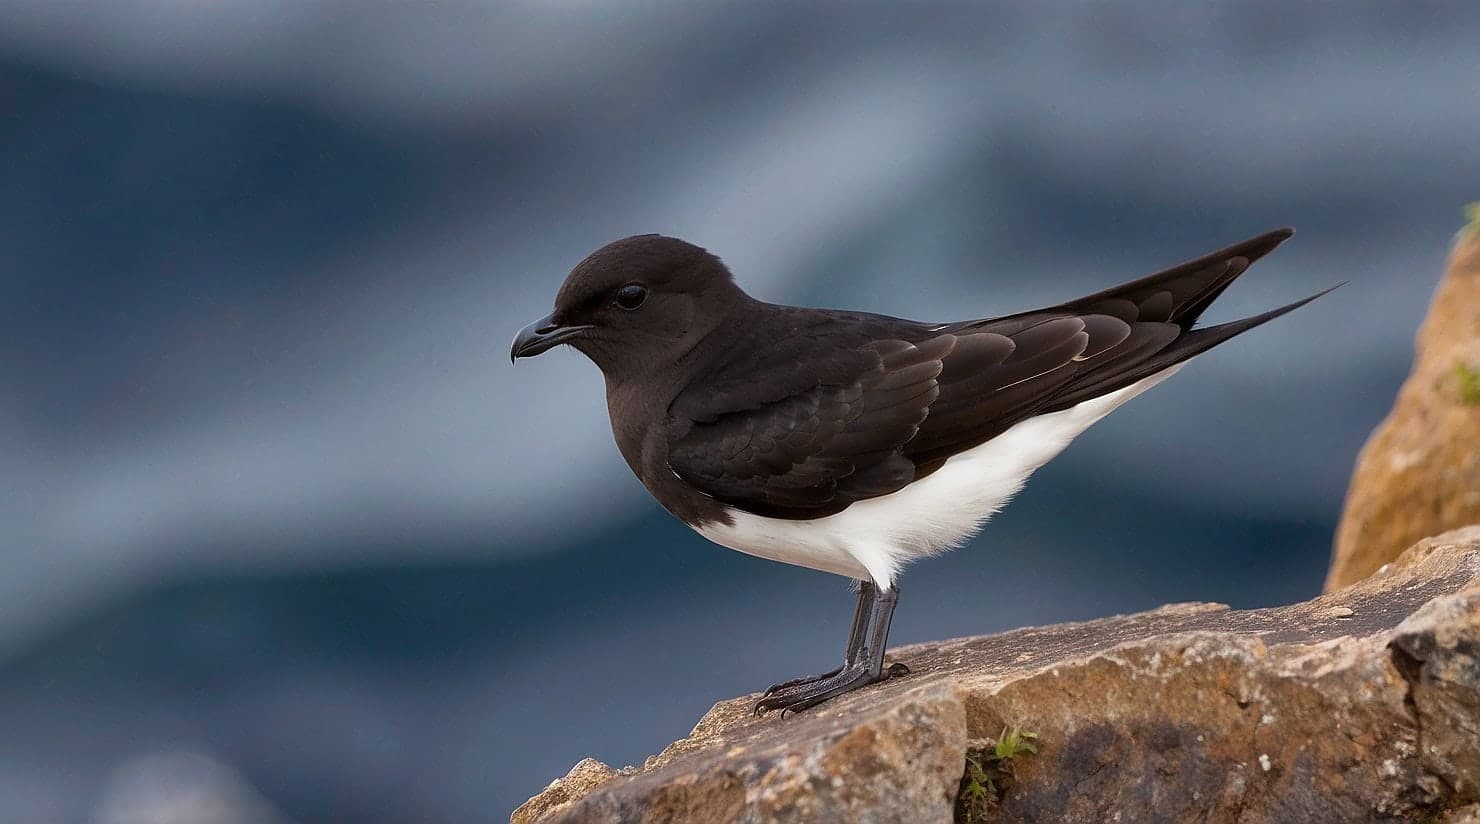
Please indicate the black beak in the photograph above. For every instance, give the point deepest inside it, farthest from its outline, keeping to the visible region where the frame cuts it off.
(541, 335)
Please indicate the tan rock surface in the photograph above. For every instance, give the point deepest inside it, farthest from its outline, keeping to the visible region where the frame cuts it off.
(585, 776)
(1360, 705)
(1419, 473)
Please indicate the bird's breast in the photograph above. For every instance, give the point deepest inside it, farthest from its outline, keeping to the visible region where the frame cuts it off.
(640, 427)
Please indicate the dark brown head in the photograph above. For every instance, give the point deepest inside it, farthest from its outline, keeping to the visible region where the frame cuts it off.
(636, 304)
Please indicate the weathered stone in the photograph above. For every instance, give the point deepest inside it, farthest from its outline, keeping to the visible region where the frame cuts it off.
(1468, 814)
(1360, 705)
(900, 762)
(585, 776)
(1419, 473)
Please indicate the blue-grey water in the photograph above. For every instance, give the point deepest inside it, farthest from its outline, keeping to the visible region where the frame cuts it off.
(272, 498)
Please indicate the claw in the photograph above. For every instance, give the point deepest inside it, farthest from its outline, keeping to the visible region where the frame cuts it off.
(807, 695)
(863, 659)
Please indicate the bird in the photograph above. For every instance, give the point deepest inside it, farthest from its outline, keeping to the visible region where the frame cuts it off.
(855, 443)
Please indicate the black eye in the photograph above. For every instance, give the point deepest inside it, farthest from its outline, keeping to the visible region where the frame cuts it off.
(631, 296)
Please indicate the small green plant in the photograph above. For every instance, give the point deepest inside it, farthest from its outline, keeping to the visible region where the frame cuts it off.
(1469, 384)
(978, 795)
(1013, 743)
(988, 769)
(1472, 216)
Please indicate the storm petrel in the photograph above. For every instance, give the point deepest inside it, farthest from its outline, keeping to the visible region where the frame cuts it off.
(855, 443)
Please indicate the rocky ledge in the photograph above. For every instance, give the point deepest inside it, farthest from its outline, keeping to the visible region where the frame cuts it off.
(1361, 705)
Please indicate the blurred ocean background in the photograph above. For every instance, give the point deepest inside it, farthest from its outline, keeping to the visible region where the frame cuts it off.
(283, 536)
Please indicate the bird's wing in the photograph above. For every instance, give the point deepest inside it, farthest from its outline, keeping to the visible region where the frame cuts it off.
(810, 434)
(1134, 331)
(825, 432)
(850, 424)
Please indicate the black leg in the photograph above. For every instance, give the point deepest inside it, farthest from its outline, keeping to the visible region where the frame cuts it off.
(872, 653)
(862, 614)
(864, 665)
(868, 594)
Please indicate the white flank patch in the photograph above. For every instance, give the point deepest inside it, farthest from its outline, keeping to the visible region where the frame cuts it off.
(873, 539)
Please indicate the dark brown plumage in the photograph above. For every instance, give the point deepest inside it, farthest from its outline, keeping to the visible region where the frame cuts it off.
(768, 427)
(806, 411)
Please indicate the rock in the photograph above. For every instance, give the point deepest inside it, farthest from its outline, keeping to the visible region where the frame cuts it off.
(584, 777)
(1419, 473)
(1469, 814)
(1359, 705)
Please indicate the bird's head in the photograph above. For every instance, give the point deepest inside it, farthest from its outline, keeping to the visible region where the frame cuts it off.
(635, 304)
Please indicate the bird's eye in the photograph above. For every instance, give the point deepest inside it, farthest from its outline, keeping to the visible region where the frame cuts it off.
(631, 296)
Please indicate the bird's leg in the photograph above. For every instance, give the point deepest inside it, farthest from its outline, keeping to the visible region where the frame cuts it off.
(868, 595)
(862, 614)
(864, 668)
(877, 640)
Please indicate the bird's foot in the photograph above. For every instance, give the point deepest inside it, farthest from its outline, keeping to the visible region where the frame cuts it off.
(797, 682)
(804, 693)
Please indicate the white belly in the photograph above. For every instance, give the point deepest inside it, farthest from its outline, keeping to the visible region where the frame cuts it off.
(873, 539)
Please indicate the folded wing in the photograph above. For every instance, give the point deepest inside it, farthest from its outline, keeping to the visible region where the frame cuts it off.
(837, 425)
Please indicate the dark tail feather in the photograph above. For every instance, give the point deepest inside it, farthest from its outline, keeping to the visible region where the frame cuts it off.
(1187, 345)
(1180, 294)
(1201, 340)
